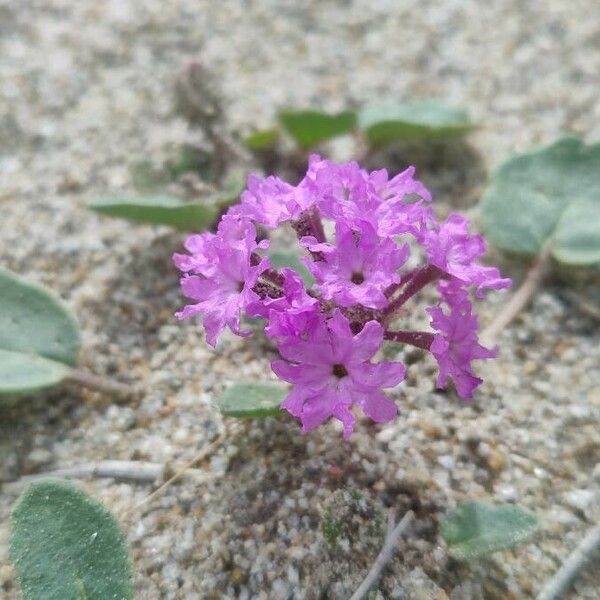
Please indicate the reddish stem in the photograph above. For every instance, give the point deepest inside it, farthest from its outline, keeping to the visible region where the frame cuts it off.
(406, 277)
(420, 339)
(422, 277)
(316, 224)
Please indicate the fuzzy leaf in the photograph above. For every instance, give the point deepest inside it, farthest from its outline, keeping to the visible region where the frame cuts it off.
(251, 400)
(33, 320)
(39, 338)
(548, 196)
(577, 235)
(311, 127)
(291, 260)
(262, 139)
(66, 546)
(159, 210)
(476, 529)
(415, 120)
(24, 373)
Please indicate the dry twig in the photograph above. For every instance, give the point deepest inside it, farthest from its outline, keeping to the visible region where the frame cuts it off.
(124, 470)
(521, 297)
(558, 585)
(391, 539)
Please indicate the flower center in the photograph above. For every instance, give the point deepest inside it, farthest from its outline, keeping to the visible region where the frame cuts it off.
(339, 371)
(357, 278)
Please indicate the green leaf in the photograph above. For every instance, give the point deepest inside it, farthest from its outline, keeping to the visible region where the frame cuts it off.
(311, 127)
(251, 400)
(158, 210)
(291, 260)
(66, 546)
(414, 120)
(33, 320)
(476, 529)
(262, 139)
(577, 234)
(24, 373)
(548, 196)
(39, 338)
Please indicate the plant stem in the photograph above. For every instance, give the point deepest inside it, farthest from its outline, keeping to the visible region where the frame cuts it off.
(392, 289)
(558, 585)
(420, 339)
(392, 537)
(417, 282)
(104, 385)
(521, 298)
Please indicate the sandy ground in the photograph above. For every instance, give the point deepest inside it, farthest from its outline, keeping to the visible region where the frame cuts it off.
(86, 89)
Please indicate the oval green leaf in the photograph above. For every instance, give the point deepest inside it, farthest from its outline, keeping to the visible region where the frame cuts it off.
(311, 127)
(159, 210)
(549, 196)
(248, 400)
(66, 546)
(411, 121)
(261, 139)
(24, 373)
(476, 529)
(33, 320)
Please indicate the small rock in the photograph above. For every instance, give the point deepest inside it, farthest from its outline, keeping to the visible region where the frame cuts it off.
(39, 457)
(9, 466)
(237, 576)
(447, 461)
(508, 493)
(495, 461)
(580, 499)
(6, 576)
(418, 586)
(468, 590)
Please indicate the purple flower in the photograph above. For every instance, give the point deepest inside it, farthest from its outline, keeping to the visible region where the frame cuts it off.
(342, 192)
(456, 345)
(220, 277)
(290, 315)
(268, 201)
(396, 217)
(198, 260)
(327, 335)
(402, 185)
(331, 371)
(359, 268)
(453, 250)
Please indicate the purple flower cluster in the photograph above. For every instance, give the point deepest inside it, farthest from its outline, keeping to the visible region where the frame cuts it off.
(328, 335)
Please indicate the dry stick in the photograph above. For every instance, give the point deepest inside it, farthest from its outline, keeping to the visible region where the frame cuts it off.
(521, 297)
(559, 584)
(385, 555)
(206, 451)
(94, 382)
(125, 470)
(584, 305)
